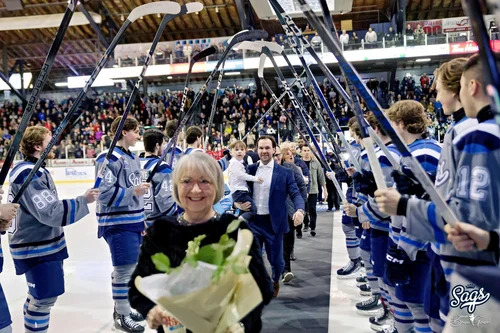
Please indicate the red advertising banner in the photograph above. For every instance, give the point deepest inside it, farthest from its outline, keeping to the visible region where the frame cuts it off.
(471, 47)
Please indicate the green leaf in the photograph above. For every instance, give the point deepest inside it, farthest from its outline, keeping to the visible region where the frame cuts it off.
(233, 226)
(218, 257)
(162, 262)
(223, 239)
(206, 253)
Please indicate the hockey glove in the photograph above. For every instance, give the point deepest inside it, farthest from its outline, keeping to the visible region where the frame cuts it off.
(343, 177)
(397, 272)
(364, 182)
(406, 182)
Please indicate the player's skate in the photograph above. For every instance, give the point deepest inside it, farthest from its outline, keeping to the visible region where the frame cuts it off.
(390, 329)
(127, 324)
(370, 307)
(365, 290)
(382, 320)
(360, 280)
(349, 270)
(136, 316)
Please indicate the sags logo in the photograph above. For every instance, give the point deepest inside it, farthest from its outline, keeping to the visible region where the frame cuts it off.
(468, 297)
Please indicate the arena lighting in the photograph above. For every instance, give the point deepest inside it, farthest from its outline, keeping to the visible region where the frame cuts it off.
(265, 12)
(169, 77)
(232, 73)
(44, 21)
(15, 80)
(61, 84)
(423, 60)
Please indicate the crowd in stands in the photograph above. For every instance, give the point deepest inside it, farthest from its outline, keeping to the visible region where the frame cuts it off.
(237, 111)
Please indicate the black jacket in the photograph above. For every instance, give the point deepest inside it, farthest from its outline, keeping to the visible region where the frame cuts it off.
(166, 235)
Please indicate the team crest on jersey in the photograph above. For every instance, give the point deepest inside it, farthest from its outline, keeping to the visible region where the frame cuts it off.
(442, 174)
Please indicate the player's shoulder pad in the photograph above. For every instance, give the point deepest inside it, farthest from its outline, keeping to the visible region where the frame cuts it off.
(483, 138)
(22, 170)
(115, 156)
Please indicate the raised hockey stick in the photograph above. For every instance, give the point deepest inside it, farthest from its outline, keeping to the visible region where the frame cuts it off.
(275, 104)
(185, 9)
(213, 110)
(161, 7)
(29, 110)
(373, 105)
(238, 38)
(473, 9)
(203, 54)
(299, 110)
(295, 37)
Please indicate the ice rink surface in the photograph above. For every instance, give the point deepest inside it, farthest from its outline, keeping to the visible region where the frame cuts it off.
(87, 307)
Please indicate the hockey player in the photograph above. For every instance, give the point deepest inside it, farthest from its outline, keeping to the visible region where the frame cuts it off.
(7, 212)
(464, 177)
(120, 217)
(36, 237)
(170, 128)
(378, 224)
(158, 200)
(407, 264)
(349, 224)
(447, 85)
(193, 141)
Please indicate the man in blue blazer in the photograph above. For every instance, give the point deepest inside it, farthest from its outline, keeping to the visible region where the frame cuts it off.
(271, 220)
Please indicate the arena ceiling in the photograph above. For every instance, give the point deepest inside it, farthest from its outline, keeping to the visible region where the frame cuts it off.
(82, 46)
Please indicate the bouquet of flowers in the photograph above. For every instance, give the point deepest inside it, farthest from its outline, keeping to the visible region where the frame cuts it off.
(212, 289)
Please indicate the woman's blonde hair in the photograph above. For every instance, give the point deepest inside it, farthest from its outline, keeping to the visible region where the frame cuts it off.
(203, 163)
(411, 114)
(450, 73)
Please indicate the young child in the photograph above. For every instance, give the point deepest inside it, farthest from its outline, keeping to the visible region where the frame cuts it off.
(238, 179)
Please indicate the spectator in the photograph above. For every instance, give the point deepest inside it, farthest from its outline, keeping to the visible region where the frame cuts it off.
(168, 53)
(371, 38)
(419, 34)
(344, 39)
(316, 42)
(188, 50)
(390, 37)
(409, 30)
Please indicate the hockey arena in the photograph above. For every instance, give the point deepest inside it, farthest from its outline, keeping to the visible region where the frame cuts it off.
(231, 166)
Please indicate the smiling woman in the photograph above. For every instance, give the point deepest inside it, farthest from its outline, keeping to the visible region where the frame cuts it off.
(198, 183)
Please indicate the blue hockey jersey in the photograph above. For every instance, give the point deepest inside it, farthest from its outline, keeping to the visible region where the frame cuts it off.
(117, 206)
(37, 235)
(158, 201)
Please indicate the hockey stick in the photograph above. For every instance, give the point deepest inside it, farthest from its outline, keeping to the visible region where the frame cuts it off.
(294, 35)
(373, 105)
(29, 110)
(258, 46)
(485, 53)
(162, 7)
(300, 112)
(269, 110)
(214, 108)
(238, 38)
(185, 9)
(327, 18)
(203, 54)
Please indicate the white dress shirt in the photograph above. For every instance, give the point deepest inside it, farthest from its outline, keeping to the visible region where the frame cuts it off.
(238, 177)
(261, 192)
